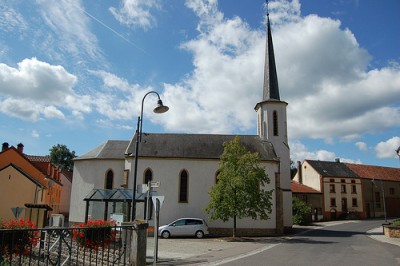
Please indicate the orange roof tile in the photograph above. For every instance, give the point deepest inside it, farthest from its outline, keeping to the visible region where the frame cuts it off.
(375, 172)
(301, 188)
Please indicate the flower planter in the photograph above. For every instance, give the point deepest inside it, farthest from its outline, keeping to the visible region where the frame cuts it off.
(94, 234)
(391, 231)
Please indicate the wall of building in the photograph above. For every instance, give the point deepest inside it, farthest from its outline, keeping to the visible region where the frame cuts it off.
(90, 174)
(15, 190)
(310, 177)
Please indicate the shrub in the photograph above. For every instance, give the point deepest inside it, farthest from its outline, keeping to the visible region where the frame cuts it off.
(301, 212)
(396, 222)
(94, 234)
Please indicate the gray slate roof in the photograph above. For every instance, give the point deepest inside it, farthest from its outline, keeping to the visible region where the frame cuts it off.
(197, 146)
(331, 169)
(112, 149)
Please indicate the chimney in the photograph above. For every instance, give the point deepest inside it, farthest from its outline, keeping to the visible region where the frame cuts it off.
(20, 148)
(337, 160)
(299, 172)
(5, 146)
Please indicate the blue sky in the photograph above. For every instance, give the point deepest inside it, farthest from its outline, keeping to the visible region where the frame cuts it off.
(74, 72)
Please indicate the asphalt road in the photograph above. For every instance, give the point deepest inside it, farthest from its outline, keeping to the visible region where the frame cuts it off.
(341, 244)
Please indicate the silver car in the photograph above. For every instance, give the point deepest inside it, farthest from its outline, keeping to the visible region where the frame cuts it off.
(184, 227)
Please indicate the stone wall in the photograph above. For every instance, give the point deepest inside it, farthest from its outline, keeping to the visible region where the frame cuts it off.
(391, 231)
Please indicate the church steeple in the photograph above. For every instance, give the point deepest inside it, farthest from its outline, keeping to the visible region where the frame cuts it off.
(271, 88)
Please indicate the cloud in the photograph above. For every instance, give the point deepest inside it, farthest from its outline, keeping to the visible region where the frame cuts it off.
(70, 28)
(387, 149)
(37, 88)
(35, 134)
(135, 13)
(11, 20)
(362, 146)
(299, 152)
(323, 73)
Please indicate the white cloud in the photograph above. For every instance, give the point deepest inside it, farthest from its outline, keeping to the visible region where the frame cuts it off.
(11, 20)
(299, 152)
(35, 134)
(320, 67)
(70, 25)
(135, 13)
(37, 88)
(362, 146)
(387, 149)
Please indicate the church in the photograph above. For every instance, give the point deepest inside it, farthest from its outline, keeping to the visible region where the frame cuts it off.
(184, 167)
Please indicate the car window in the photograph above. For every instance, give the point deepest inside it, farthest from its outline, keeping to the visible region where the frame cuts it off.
(193, 222)
(180, 222)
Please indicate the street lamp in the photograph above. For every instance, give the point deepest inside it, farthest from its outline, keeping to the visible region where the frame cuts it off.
(158, 110)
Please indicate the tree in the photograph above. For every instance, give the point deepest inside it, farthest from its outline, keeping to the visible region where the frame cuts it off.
(61, 156)
(239, 191)
(301, 211)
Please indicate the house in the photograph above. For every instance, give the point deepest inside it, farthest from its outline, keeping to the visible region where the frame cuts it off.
(353, 190)
(30, 189)
(310, 196)
(184, 167)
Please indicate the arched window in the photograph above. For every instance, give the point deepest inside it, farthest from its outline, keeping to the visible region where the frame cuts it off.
(109, 180)
(275, 122)
(148, 176)
(183, 186)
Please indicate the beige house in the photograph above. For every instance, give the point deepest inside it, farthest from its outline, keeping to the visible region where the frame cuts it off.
(353, 190)
(185, 167)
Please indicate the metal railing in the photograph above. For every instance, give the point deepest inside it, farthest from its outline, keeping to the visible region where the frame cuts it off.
(66, 246)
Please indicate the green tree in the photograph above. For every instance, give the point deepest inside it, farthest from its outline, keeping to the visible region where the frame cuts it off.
(301, 211)
(239, 190)
(61, 156)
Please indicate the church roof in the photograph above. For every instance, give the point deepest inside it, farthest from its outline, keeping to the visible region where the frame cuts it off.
(197, 146)
(271, 88)
(112, 149)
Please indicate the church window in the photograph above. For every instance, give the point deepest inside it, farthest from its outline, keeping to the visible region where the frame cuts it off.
(183, 186)
(109, 180)
(275, 122)
(148, 176)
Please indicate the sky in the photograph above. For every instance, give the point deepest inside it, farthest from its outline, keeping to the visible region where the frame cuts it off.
(74, 72)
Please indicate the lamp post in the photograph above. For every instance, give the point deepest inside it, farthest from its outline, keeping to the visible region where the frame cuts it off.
(159, 110)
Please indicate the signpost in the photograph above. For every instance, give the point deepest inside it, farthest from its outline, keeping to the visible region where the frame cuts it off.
(157, 202)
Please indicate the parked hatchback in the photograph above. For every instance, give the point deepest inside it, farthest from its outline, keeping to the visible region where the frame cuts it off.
(184, 227)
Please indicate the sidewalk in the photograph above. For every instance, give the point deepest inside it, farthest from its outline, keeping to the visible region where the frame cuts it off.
(377, 234)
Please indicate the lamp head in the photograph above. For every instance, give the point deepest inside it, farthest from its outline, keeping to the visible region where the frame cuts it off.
(160, 108)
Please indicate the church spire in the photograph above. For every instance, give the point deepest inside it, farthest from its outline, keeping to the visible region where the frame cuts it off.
(271, 88)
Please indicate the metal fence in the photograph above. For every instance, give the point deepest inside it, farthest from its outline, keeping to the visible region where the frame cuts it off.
(66, 246)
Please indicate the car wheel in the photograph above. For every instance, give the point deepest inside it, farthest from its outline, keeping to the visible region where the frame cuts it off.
(165, 234)
(199, 234)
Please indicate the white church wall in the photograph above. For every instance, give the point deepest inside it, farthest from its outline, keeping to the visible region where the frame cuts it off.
(201, 175)
(90, 174)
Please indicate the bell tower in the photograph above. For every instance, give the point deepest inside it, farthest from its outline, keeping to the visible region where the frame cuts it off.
(272, 127)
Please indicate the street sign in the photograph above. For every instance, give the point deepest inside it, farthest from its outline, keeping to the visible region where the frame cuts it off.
(16, 211)
(154, 184)
(159, 199)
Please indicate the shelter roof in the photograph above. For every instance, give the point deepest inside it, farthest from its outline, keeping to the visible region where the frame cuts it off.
(301, 188)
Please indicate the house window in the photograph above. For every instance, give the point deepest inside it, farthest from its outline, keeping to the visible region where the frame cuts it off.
(354, 202)
(148, 176)
(333, 202)
(391, 191)
(343, 188)
(332, 188)
(183, 186)
(109, 180)
(275, 122)
(353, 189)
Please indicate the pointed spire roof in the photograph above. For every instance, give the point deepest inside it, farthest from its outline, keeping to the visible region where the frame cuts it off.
(271, 88)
